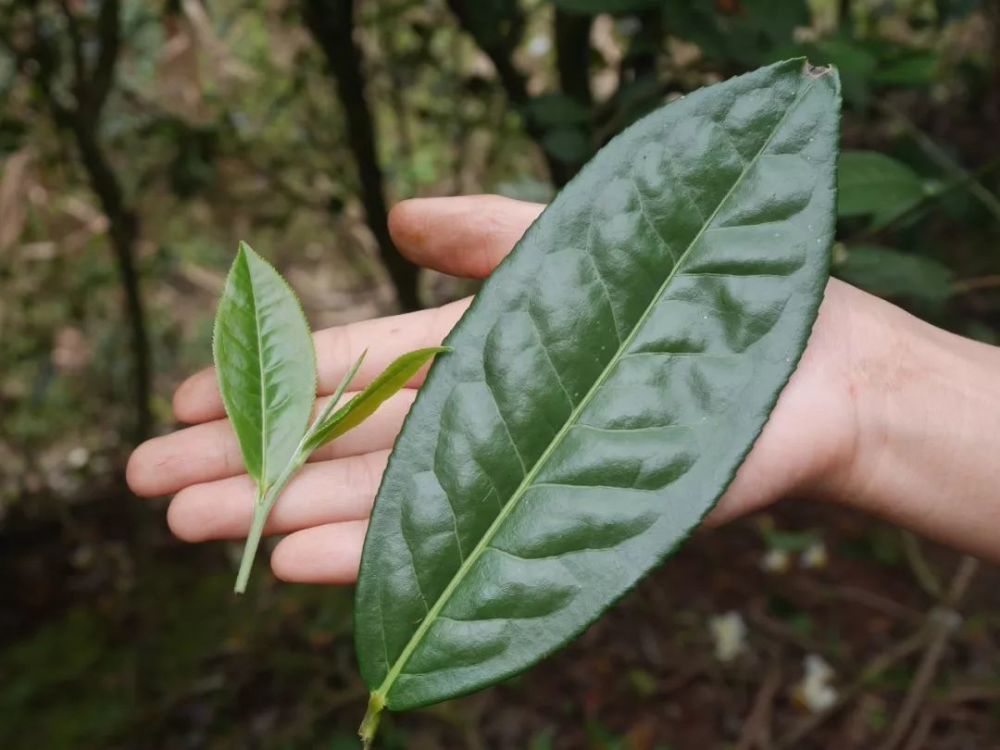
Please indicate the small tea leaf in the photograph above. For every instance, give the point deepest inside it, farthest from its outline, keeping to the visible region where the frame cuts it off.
(362, 406)
(605, 385)
(265, 364)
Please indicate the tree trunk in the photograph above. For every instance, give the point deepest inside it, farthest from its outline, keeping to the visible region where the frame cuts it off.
(123, 231)
(500, 49)
(331, 23)
(573, 55)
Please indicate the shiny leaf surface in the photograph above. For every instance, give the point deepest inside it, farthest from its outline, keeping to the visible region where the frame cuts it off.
(603, 388)
(265, 364)
(358, 409)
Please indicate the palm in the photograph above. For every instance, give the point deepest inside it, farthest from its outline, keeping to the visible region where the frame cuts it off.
(324, 510)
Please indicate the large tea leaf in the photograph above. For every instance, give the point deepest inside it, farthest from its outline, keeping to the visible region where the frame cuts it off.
(604, 386)
(265, 364)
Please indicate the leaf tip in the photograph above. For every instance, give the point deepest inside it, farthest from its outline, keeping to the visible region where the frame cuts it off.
(817, 71)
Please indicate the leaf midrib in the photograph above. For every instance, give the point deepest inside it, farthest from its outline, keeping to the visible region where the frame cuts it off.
(432, 614)
(258, 324)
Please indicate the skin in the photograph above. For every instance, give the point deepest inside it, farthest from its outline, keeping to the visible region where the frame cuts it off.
(885, 413)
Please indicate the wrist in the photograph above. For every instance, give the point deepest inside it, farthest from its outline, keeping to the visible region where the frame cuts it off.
(845, 364)
(925, 414)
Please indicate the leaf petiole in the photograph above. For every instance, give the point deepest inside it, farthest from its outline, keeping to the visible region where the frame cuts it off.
(369, 725)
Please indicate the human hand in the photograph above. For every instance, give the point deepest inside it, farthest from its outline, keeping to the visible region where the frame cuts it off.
(805, 447)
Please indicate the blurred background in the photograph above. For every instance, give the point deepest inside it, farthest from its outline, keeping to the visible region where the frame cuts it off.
(139, 141)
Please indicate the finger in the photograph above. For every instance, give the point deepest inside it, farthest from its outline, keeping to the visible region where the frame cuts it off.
(341, 489)
(327, 554)
(463, 236)
(197, 399)
(210, 451)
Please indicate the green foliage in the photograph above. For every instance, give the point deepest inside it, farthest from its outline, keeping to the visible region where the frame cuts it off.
(897, 275)
(546, 464)
(266, 368)
(231, 119)
(568, 145)
(855, 64)
(362, 406)
(909, 68)
(868, 65)
(557, 110)
(265, 363)
(750, 33)
(596, 7)
(876, 185)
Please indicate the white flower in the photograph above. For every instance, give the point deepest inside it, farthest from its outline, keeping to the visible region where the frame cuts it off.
(776, 561)
(729, 632)
(539, 45)
(814, 556)
(815, 693)
(78, 457)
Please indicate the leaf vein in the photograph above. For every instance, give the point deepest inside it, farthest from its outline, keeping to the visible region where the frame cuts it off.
(649, 221)
(548, 357)
(588, 251)
(503, 421)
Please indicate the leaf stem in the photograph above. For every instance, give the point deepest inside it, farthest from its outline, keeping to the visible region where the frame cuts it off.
(266, 500)
(369, 724)
(262, 509)
(250, 549)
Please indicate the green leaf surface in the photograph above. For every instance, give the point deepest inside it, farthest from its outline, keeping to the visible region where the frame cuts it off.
(265, 363)
(362, 406)
(876, 185)
(894, 274)
(603, 388)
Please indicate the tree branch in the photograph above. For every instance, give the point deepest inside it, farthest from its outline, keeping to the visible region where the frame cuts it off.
(498, 38)
(331, 23)
(573, 55)
(76, 46)
(109, 33)
(943, 621)
(81, 121)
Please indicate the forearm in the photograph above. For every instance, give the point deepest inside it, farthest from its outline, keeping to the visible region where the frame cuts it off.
(927, 409)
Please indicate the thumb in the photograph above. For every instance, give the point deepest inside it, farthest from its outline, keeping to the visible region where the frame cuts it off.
(463, 236)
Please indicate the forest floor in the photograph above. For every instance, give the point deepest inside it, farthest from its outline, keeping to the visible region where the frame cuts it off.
(115, 635)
